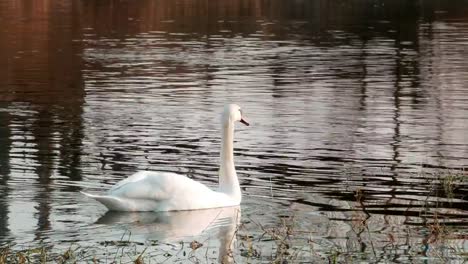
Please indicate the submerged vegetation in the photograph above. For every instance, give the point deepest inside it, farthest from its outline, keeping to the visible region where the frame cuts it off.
(284, 247)
(281, 244)
(428, 234)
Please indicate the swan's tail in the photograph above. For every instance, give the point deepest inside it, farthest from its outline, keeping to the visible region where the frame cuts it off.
(112, 203)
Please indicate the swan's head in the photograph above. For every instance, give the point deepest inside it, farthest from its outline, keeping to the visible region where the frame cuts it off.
(233, 113)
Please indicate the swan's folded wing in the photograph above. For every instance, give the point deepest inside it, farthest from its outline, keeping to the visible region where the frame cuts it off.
(135, 178)
(141, 185)
(156, 186)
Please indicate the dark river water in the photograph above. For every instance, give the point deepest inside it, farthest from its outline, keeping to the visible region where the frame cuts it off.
(358, 136)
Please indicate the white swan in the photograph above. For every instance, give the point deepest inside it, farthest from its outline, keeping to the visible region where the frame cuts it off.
(165, 191)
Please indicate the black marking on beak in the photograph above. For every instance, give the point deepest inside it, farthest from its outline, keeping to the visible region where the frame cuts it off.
(244, 122)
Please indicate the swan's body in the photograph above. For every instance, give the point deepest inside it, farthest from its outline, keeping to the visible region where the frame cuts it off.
(164, 191)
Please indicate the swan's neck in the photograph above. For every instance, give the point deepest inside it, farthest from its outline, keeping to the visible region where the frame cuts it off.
(228, 182)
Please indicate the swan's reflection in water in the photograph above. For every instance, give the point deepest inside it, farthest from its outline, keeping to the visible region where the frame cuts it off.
(181, 225)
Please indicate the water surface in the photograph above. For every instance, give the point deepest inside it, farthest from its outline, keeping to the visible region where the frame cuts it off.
(359, 111)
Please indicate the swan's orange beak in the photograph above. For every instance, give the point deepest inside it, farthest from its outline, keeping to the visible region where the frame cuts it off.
(244, 122)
